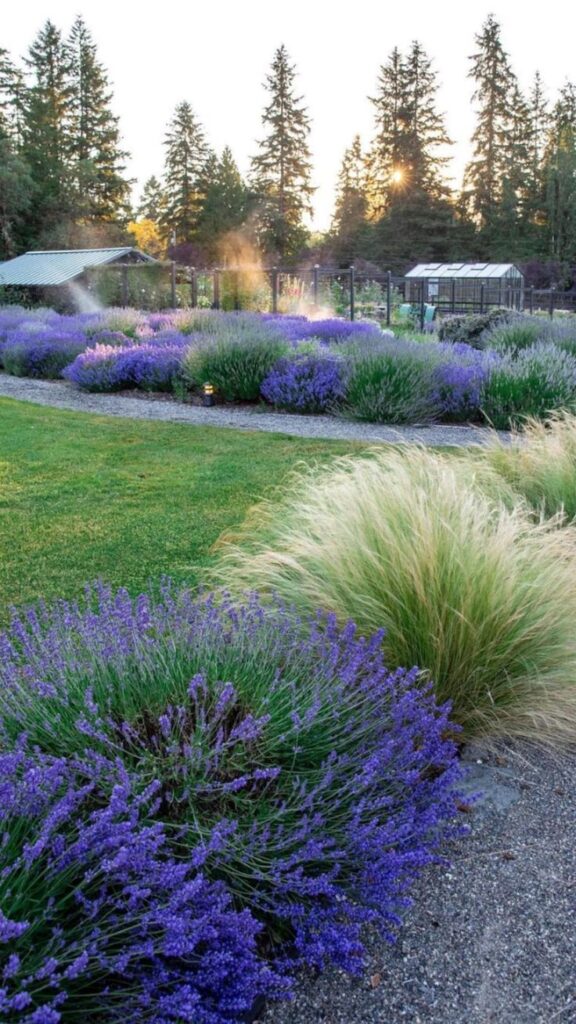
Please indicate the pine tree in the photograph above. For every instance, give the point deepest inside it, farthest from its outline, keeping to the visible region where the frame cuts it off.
(93, 145)
(186, 155)
(495, 93)
(16, 194)
(11, 99)
(349, 223)
(152, 200)
(281, 171)
(407, 190)
(560, 178)
(45, 141)
(225, 204)
(537, 134)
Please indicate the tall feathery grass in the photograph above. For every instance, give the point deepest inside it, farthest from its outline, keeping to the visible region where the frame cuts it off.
(540, 464)
(464, 583)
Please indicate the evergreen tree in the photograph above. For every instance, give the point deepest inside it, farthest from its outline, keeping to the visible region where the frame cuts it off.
(407, 191)
(560, 179)
(11, 99)
(281, 171)
(186, 155)
(225, 204)
(537, 134)
(152, 200)
(349, 224)
(495, 93)
(93, 143)
(45, 140)
(16, 193)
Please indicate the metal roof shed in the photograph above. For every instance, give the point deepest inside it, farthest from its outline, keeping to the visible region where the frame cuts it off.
(466, 287)
(45, 269)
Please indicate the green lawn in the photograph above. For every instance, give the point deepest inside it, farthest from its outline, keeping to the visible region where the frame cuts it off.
(85, 497)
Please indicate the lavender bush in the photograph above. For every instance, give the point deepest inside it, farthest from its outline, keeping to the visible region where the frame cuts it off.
(308, 383)
(393, 382)
(150, 367)
(533, 382)
(191, 752)
(41, 353)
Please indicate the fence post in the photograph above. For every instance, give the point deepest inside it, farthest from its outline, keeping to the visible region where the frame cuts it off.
(352, 295)
(216, 289)
(193, 288)
(388, 298)
(551, 304)
(531, 298)
(124, 284)
(315, 283)
(482, 298)
(453, 296)
(236, 280)
(173, 283)
(422, 306)
(274, 289)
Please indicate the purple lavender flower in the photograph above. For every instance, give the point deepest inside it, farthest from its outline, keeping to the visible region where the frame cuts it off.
(307, 383)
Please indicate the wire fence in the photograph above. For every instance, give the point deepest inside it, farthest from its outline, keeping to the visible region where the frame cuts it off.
(348, 292)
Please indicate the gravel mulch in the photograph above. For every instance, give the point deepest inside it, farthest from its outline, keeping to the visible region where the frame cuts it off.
(63, 396)
(491, 940)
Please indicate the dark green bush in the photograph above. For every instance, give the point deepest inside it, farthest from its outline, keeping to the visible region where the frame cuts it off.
(469, 328)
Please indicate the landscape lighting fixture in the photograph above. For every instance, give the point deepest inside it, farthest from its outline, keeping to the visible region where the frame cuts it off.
(207, 394)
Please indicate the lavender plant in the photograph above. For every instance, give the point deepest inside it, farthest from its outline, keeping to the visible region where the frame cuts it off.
(533, 382)
(42, 353)
(308, 383)
(150, 367)
(393, 382)
(269, 763)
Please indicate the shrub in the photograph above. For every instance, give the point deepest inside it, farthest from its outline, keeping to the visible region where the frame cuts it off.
(392, 383)
(541, 465)
(470, 327)
(420, 546)
(236, 360)
(101, 919)
(251, 753)
(513, 336)
(40, 354)
(308, 383)
(458, 380)
(533, 382)
(110, 368)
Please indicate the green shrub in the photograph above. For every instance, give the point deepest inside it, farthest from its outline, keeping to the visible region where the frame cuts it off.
(236, 361)
(532, 382)
(470, 327)
(513, 336)
(393, 385)
(411, 542)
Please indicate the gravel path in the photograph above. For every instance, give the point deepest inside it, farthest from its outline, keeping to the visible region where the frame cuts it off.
(63, 396)
(490, 940)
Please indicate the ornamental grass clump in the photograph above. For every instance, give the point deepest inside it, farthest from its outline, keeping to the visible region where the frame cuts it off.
(532, 382)
(540, 465)
(464, 585)
(160, 759)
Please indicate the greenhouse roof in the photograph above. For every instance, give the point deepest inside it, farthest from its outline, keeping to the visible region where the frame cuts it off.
(59, 266)
(467, 270)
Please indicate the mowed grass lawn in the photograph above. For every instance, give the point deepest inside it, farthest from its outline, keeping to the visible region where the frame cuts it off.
(87, 497)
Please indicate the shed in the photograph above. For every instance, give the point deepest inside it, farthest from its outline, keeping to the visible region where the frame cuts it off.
(47, 269)
(466, 287)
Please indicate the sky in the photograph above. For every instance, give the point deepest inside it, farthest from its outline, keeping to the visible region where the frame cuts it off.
(216, 55)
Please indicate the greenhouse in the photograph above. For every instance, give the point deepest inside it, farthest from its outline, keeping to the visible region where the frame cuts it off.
(465, 287)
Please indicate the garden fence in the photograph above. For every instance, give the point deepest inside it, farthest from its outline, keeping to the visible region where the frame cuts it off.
(351, 292)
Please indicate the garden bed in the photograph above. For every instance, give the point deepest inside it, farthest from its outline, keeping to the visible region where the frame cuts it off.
(494, 370)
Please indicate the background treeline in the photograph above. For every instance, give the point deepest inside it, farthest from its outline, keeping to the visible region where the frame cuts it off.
(63, 176)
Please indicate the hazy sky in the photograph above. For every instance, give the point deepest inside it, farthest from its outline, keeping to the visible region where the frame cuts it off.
(216, 55)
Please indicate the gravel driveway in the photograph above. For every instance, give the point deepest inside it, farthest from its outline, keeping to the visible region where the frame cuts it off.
(63, 396)
(491, 940)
